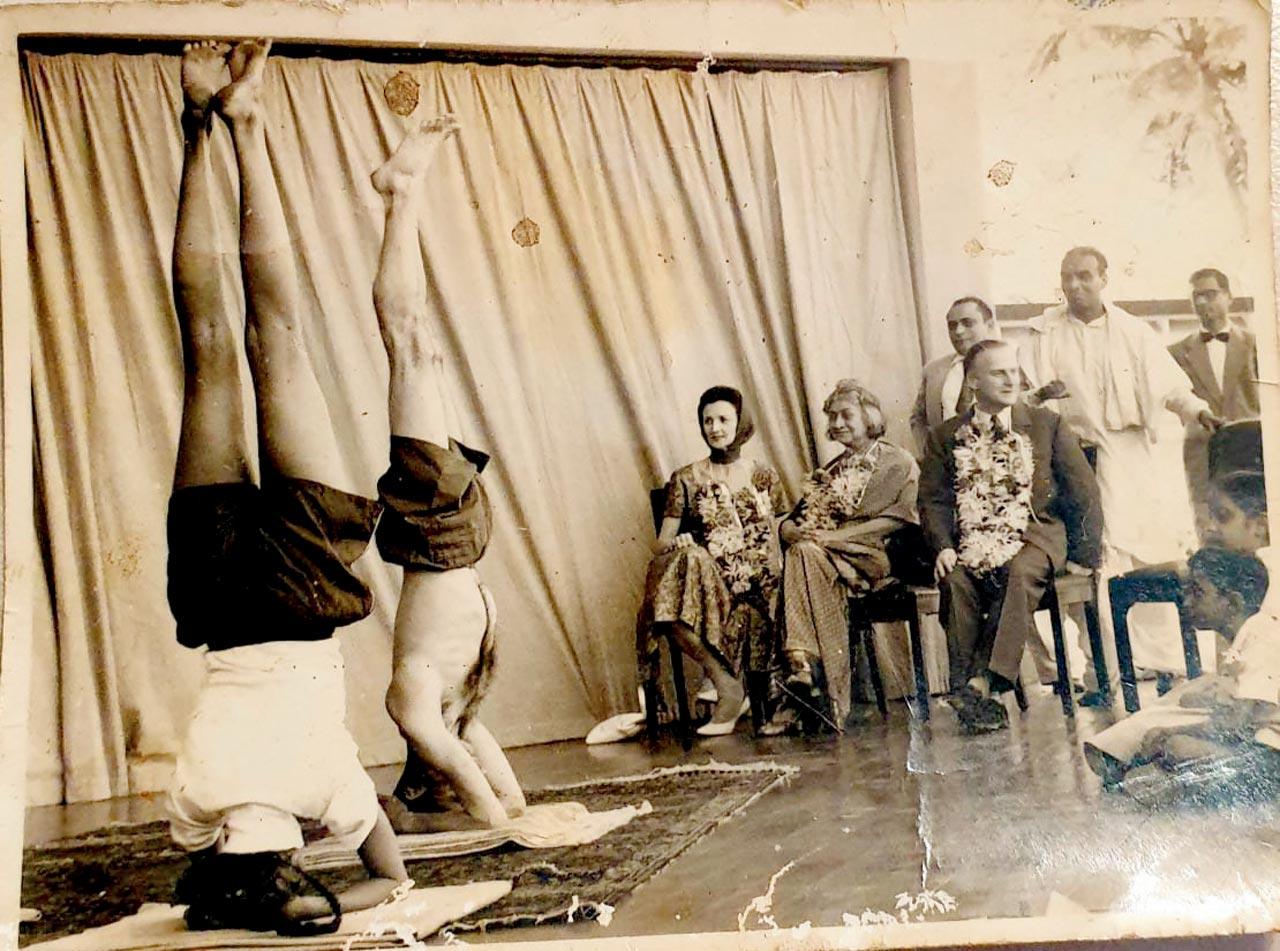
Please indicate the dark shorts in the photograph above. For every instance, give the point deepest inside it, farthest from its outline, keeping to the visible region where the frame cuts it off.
(249, 565)
(436, 514)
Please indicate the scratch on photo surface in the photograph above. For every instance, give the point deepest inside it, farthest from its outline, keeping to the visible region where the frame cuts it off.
(762, 905)
(403, 933)
(920, 764)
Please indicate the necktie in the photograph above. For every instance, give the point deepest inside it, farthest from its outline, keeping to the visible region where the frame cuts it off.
(964, 399)
(1205, 336)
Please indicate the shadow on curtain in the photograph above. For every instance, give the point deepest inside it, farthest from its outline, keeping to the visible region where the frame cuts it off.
(600, 245)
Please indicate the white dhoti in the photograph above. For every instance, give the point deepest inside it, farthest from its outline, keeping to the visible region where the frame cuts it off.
(1126, 739)
(267, 743)
(1148, 521)
(1124, 390)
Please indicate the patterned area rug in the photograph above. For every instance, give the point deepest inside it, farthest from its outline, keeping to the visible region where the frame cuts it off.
(104, 875)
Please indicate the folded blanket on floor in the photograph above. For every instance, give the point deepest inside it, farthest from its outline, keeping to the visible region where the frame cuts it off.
(545, 826)
(420, 913)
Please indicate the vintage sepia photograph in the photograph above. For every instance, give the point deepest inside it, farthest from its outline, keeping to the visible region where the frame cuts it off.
(740, 473)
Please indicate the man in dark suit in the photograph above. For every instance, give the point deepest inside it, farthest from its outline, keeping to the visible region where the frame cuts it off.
(942, 391)
(1221, 360)
(1006, 496)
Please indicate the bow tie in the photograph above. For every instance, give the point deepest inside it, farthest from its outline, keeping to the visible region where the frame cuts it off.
(1205, 336)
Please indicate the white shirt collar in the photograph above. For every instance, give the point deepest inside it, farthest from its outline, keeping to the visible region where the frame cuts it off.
(984, 419)
(1097, 322)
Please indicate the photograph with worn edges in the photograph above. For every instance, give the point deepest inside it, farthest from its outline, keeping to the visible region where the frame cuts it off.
(778, 473)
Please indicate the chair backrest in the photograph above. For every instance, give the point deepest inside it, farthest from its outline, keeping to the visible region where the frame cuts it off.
(657, 504)
(910, 560)
(1236, 447)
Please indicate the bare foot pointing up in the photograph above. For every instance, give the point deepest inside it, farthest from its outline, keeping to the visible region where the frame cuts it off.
(408, 165)
(241, 98)
(204, 69)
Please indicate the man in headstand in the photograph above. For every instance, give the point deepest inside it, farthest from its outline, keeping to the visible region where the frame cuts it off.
(260, 574)
(436, 524)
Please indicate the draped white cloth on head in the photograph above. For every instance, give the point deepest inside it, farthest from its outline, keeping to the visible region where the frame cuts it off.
(600, 245)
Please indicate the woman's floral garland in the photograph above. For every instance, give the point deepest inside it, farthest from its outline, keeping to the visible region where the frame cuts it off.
(741, 544)
(993, 496)
(832, 496)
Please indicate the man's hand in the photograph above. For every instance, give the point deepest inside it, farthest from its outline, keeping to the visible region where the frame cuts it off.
(1053, 390)
(661, 546)
(1211, 422)
(1073, 569)
(793, 534)
(944, 564)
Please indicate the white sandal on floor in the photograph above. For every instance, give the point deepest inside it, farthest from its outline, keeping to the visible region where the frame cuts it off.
(711, 728)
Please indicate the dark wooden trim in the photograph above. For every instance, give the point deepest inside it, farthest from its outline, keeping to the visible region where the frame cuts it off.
(1173, 307)
(378, 53)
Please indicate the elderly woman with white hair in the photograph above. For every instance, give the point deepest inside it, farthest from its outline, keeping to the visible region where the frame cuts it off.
(835, 540)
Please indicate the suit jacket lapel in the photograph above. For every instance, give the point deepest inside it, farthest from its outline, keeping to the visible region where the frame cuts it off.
(1198, 358)
(1020, 418)
(933, 391)
(1234, 369)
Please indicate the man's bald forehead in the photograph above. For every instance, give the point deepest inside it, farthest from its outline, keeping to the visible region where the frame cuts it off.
(1077, 255)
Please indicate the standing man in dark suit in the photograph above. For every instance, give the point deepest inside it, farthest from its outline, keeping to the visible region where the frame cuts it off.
(1006, 496)
(1221, 360)
(942, 391)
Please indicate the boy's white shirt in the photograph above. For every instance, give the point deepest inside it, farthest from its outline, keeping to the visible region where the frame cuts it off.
(1254, 655)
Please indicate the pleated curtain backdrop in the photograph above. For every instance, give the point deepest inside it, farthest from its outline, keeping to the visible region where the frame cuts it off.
(600, 244)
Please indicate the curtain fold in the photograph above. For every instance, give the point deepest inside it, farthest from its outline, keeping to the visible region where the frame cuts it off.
(691, 229)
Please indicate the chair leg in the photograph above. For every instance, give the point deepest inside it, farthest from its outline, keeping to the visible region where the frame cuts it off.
(1124, 652)
(758, 696)
(1020, 695)
(1060, 652)
(651, 701)
(1094, 627)
(917, 659)
(682, 695)
(873, 666)
(1190, 646)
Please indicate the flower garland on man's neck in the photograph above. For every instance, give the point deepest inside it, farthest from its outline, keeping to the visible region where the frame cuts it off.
(833, 495)
(993, 495)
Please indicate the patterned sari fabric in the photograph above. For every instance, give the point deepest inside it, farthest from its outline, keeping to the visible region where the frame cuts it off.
(722, 587)
(856, 502)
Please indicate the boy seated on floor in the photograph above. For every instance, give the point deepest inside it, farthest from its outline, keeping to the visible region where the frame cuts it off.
(1216, 737)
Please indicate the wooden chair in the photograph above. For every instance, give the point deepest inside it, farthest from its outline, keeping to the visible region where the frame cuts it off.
(892, 603)
(1154, 584)
(1063, 591)
(684, 721)
(1235, 447)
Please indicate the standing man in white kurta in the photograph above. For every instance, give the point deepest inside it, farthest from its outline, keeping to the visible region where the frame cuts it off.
(1120, 382)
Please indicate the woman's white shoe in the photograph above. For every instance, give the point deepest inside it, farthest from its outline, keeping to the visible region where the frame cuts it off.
(724, 729)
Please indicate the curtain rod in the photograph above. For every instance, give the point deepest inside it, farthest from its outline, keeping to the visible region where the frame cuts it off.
(55, 45)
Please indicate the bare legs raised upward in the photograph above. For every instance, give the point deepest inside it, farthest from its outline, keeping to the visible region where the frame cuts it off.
(295, 441)
(442, 616)
(213, 447)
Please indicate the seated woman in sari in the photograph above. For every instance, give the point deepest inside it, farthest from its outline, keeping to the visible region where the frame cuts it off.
(715, 572)
(835, 541)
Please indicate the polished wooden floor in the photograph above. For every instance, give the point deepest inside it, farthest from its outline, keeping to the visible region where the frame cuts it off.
(1009, 824)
